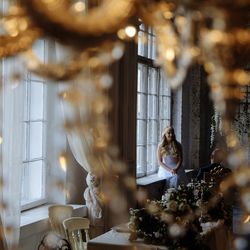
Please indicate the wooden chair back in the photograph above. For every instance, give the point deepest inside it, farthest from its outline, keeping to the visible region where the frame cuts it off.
(77, 232)
(57, 214)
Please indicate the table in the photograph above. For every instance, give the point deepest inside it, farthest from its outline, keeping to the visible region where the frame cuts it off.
(113, 240)
(215, 233)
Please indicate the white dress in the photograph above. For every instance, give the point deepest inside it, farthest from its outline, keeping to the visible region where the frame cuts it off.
(172, 180)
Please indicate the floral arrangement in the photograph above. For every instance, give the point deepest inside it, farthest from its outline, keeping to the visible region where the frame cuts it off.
(175, 220)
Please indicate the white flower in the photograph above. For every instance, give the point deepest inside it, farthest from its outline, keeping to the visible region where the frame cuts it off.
(166, 197)
(164, 203)
(199, 203)
(172, 205)
(171, 190)
(157, 234)
(195, 192)
(175, 230)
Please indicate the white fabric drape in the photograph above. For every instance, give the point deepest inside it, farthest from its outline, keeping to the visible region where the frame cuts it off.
(79, 145)
(12, 110)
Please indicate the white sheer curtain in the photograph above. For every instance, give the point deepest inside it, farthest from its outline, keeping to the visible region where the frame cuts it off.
(11, 162)
(79, 145)
(11, 130)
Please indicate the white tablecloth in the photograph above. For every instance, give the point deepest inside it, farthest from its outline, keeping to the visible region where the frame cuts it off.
(113, 240)
(216, 234)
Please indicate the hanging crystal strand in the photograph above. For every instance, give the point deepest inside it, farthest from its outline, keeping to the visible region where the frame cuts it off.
(19, 32)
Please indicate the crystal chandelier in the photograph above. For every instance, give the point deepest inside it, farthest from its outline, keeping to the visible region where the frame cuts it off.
(213, 33)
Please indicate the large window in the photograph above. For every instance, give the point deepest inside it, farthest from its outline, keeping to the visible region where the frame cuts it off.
(153, 104)
(32, 132)
(34, 137)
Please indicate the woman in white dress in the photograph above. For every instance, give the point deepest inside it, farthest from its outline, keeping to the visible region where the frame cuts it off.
(170, 159)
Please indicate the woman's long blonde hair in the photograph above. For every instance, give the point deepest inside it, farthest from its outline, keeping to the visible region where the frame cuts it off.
(175, 145)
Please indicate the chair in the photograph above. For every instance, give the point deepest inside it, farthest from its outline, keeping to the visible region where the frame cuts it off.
(73, 228)
(57, 214)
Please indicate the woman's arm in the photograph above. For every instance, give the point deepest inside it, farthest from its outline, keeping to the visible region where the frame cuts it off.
(159, 156)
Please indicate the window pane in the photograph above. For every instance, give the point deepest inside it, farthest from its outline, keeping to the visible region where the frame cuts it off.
(36, 102)
(142, 41)
(24, 194)
(39, 50)
(161, 128)
(141, 44)
(32, 184)
(165, 107)
(152, 137)
(154, 50)
(26, 102)
(152, 81)
(141, 106)
(141, 159)
(142, 79)
(152, 107)
(164, 88)
(25, 138)
(150, 46)
(141, 132)
(151, 158)
(36, 140)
